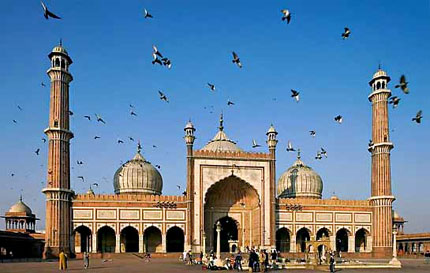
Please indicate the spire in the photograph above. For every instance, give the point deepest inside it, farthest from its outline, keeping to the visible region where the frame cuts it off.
(139, 147)
(61, 42)
(298, 154)
(20, 197)
(221, 121)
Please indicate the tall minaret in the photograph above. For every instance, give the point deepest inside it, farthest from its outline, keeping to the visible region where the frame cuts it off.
(271, 143)
(57, 191)
(381, 196)
(189, 141)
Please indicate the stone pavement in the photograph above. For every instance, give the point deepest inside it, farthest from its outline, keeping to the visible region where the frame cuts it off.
(132, 264)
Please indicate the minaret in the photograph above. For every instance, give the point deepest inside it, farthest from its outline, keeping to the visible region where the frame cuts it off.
(57, 191)
(189, 141)
(381, 196)
(271, 143)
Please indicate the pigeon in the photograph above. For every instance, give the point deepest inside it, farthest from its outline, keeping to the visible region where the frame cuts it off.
(139, 146)
(82, 178)
(14, 121)
(131, 139)
(167, 62)
(403, 85)
(286, 15)
(131, 106)
(156, 52)
(147, 15)
(87, 117)
(179, 187)
(19, 107)
(44, 140)
(12, 174)
(394, 101)
(312, 133)
(254, 144)
(323, 152)
(70, 113)
(290, 147)
(158, 166)
(211, 86)
(318, 156)
(79, 162)
(338, 119)
(133, 113)
(155, 59)
(163, 96)
(47, 13)
(184, 193)
(370, 143)
(119, 141)
(96, 184)
(346, 33)
(96, 137)
(229, 102)
(42, 84)
(418, 117)
(154, 146)
(100, 119)
(295, 95)
(37, 151)
(236, 60)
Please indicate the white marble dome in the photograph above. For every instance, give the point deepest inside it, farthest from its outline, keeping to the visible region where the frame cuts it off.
(300, 181)
(20, 207)
(138, 176)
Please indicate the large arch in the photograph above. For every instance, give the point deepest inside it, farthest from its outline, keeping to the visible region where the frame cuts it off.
(129, 239)
(152, 240)
(175, 239)
(323, 232)
(283, 240)
(83, 241)
(229, 231)
(106, 239)
(237, 199)
(342, 240)
(361, 236)
(303, 236)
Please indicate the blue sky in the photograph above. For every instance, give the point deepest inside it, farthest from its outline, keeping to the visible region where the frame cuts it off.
(110, 43)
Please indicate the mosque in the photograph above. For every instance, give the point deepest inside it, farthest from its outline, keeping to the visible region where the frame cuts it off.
(225, 185)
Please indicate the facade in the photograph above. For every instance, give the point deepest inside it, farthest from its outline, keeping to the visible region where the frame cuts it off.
(224, 184)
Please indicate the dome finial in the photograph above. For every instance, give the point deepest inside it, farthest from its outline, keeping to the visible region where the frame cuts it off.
(298, 154)
(221, 121)
(61, 42)
(20, 197)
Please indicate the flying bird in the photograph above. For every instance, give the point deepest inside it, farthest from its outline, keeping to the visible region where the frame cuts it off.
(338, 119)
(37, 151)
(163, 96)
(154, 146)
(286, 15)
(100, 119)
(236, 60)
(418, 117)
(79, 162)
(318, 156)
(131, 106)
(14, 121)
(323, 152)
(87, 117)
(254, 144)
(179, 187)
(229, 102)
(155, 59)
(346, 33)
(131, 139)
(211, 86)
(42, 84)
(82, 178)
(119, 141)
(158, 166)
(132, 113)
(19, 107)
(312, 133)
(156, 52)
(70, 113)
(147, 14)
(394, 101)
(403, 85)
(370, 143)
(167, 62)
(96, 137)
(295, 95)
(44, 140)
(290, 147)
(96, 184)
(47, 13)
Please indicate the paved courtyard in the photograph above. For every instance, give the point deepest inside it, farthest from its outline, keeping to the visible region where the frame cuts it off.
(131, 264)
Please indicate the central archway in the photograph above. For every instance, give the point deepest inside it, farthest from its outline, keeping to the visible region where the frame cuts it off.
(106, 239)
(342, 240)
(129, 240)
(283, 240)
(236, 204)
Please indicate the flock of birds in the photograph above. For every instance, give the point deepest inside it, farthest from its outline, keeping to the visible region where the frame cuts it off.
(160, 59)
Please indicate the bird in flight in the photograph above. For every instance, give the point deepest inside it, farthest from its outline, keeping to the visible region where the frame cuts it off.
(158, 166)
(19, 107)
(312, 133)
(236, 60)
(254, 144)
(323, 152)
(229, 102)
(82, 178)
(370, 143)
(295, 95)
(14, 121)
(338, 119)
(132, 113)
(163, 96)
(96, 184)
(286, 15)
(79, 162)
(100, 119)
(179, 187)
(318, 156)
(119, 141)
(346, 33)
(147, 14)
(418, 117)
(290, 147)
(70, 113)
(130, 138)
(167, 62)
(47, 13)
(156, 52)
(96, 137)
(394, 101)
(211, 86)
(403, 84)
(155, 59)
(42, 84)
(44, 140)
(87, 117)
(37, 151)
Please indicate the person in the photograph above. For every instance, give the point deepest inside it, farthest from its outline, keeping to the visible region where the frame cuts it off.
(331, 263)
(184, 256)
(238, 262)
(273, 257)
(86, 260)
(256, 261)
(211, 264)
(62, 259)
(251, 261)
(201, 257)
(427, 256)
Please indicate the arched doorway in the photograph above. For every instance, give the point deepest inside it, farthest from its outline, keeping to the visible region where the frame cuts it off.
(342, 240)
(302, 237)
(361, 240)
(228, 232)
(82, 239)
(235, 198)
(283, 240)
(323, 232)
(152, 240)
(175, 240)
(106, 239)
(129, 239)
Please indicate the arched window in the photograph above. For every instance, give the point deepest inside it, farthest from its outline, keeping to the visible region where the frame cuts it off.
(283, 240)
(63, 64)
(378, 85)
(57, 62)
(383, 85)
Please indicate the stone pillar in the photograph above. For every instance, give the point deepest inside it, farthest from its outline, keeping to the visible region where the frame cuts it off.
(333, 242)
(218, 245)
(163, 243)
(204, 243)
(94, 243)
(117, 243)
(394, 261)
(369, 243)
(293, 246)
(351, 244)
(141, 243)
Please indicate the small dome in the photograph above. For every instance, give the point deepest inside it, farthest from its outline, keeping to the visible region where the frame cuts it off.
(21, 207)
(379, 73)
(396, 215)
(189, 125)
(221, 142)
(138, 176)
(334, 197)
(300, 181)
(271, 130)
(60, 49)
